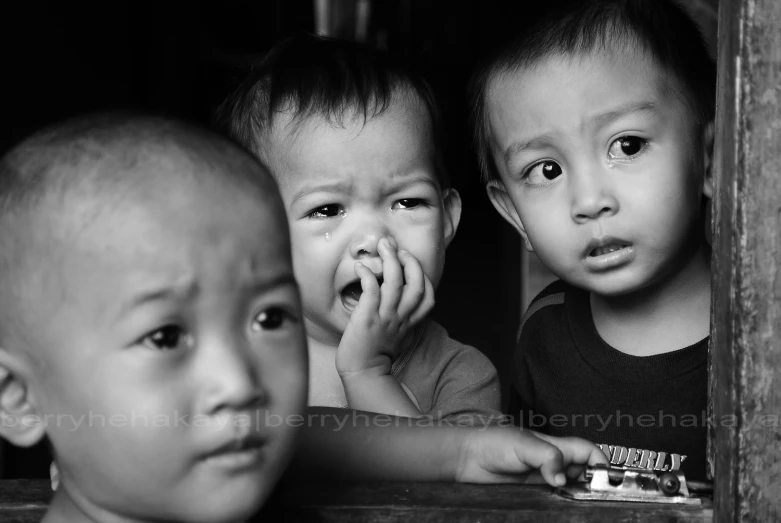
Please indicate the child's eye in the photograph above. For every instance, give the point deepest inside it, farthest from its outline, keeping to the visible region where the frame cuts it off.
(626, 147)
(271, 319)
(167, 338)
(407, 203)
(542, 172)
(327, 211)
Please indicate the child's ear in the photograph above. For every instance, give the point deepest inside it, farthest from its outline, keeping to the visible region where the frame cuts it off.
(452, 203)
(707, 163)
(20, 423)
(505, 207)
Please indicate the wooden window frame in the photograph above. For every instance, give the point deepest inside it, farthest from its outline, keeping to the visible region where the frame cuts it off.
(745, 445)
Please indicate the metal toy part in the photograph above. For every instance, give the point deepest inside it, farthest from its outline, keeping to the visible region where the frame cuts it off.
(621, 483)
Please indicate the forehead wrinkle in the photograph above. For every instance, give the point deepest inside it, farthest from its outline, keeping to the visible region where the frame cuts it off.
(64, 218)
(163, 292)
(404, 178)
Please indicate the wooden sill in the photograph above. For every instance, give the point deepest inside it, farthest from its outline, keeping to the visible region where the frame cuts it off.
(459, 503)
(25, 501)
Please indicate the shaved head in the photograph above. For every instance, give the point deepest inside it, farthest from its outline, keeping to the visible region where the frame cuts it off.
(101, 151)
(59, 182)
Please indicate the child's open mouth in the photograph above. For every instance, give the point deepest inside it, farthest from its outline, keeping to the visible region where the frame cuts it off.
(608, 253)
(352, 293)
(607, 249)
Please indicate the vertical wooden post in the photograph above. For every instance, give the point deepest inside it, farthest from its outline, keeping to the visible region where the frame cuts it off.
(746, 317)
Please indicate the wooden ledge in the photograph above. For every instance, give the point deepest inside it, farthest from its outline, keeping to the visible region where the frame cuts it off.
(25, 501)
(459, 503)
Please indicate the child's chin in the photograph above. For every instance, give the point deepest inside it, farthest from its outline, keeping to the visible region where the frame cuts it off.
(617, 287)
(240, 502)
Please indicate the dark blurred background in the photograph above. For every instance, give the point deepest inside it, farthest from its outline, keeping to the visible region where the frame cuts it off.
(61, 59)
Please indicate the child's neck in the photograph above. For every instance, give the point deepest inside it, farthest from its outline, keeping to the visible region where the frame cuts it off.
(663, 317)
(62, 508)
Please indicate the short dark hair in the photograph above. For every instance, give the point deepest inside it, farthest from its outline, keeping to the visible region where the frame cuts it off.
(310, 75)
(661, 28)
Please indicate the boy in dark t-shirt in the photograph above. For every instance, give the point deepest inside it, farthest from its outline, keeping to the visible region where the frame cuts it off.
(647, 411)
(595, 134)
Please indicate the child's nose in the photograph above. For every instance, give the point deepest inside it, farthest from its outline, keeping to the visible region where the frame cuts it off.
(367, 237)
(592, 197)
(231, 372)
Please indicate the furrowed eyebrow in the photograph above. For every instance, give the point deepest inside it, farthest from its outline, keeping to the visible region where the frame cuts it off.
(282, 280)
(335, 187)
(514, 149)
(162, 293)
(188, 291)
(417, 180)
(602, 119)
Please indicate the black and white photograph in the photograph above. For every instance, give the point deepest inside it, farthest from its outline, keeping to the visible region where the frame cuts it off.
(390, 261)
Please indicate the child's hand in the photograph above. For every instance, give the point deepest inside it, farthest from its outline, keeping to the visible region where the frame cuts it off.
(507, 455)
(377, 328)
(384, 313)
(334, 449)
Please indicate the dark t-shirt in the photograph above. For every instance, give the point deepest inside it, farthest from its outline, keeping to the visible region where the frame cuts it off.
(643, 411)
